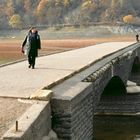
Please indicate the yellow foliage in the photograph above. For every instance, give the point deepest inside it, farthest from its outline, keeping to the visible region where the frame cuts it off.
(58, 2)
(128, 19)
(15, 21)
(66, 2)
(87, 4)
(41, 7)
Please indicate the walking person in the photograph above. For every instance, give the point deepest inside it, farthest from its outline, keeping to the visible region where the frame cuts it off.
(137, 37)
(31, 45)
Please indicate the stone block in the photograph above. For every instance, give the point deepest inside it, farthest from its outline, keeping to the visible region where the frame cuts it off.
(42, 95)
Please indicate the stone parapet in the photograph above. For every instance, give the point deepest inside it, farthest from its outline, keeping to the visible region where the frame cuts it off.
(33, 124)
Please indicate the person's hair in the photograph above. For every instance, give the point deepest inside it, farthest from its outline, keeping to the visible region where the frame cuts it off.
(31, 28)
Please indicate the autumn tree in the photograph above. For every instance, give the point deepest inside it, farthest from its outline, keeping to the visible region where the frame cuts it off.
(87, 4)
(41, 8)
(104, 3)
(41, 11)
(112, 12)
(66, 3)
(10, 9)
(27, 5)
(54, 13)
(3, 17)
(89, 9)
(50, 11)
(15, 21)
(128, 19)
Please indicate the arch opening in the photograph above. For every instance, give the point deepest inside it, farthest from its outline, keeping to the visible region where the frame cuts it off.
(136, 65)
(115, 87)
(135, 71)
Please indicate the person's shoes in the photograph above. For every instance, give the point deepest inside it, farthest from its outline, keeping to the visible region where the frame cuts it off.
(29, 66)
(33, 67)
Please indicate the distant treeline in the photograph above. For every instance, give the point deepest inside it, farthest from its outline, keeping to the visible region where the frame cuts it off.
(25, 13)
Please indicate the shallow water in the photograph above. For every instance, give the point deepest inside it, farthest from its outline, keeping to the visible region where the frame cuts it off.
(116, 128)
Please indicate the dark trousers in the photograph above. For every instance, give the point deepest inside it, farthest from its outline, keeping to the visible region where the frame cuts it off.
(31, 60)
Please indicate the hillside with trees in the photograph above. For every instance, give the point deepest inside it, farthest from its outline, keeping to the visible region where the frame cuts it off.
(24, 13)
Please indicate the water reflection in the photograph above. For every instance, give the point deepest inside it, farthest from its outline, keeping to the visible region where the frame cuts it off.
(116, 128)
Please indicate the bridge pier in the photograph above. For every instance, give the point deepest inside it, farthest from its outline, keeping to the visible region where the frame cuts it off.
(73, 113)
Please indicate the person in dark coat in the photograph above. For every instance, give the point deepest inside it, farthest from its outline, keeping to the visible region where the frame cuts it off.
(137, 37)
(32, 43)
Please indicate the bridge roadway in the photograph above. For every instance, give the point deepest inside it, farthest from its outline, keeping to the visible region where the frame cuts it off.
(18, 81)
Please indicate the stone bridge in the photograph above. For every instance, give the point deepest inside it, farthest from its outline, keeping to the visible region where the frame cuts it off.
(76, 100)
(82, 81)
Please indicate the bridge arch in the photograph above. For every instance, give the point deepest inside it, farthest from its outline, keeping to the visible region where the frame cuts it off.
(115, 87)
(113, 94)
(136, 65)
(135, 71)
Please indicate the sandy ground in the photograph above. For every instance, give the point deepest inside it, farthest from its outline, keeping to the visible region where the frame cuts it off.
(10, 50)
(10, 110)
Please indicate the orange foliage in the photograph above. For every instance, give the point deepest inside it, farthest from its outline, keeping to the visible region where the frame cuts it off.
(128, 19)
(41, 7)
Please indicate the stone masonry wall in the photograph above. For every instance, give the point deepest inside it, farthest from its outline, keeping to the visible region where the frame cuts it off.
(73, 113)
(120, 105)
